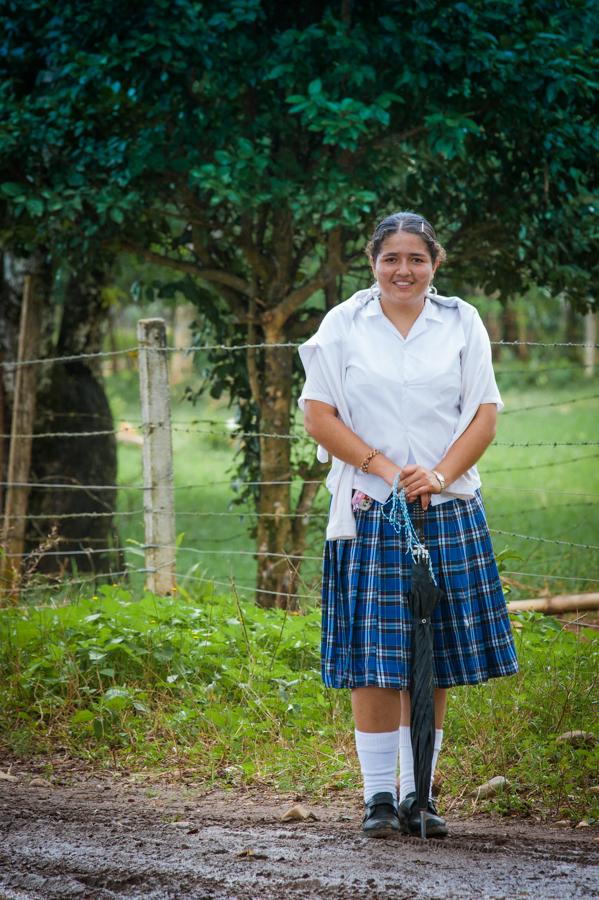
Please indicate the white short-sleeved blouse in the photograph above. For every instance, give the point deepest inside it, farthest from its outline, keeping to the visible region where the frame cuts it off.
(409, 397)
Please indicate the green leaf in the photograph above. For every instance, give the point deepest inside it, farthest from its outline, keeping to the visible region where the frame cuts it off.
(10, 189)
(35, 206)
(82, 717)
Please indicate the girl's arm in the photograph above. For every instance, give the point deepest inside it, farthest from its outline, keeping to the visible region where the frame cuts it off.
(467, 450)
(322, 423)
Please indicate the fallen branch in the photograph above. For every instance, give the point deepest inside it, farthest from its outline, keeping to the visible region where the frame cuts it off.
(560, 604)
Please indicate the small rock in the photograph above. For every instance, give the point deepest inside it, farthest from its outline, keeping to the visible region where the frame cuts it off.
(297, 813)
(491, 788)
(6, 776)
(251, 854)
(594, 789)
(564, 822)
(584, 823)
(578, 738)
(38, 781)
(183, 824)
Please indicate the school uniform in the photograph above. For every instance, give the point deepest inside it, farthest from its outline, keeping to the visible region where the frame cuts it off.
(411, 398)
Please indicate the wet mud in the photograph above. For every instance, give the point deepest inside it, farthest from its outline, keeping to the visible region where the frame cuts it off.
(100, 837)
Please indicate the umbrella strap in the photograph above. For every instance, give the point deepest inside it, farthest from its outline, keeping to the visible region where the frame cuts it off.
(400, 521)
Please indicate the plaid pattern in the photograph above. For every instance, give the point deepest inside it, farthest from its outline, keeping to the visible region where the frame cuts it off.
(366, 623)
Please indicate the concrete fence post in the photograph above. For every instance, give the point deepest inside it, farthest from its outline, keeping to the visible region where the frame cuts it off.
(159, 507)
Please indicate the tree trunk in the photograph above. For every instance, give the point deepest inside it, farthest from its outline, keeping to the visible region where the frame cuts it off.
(522, 331)
(509, 322)
(494, 329)
(275, 575)
(73, 400)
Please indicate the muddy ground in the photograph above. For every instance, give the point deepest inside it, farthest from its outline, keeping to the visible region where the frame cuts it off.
(90, 835)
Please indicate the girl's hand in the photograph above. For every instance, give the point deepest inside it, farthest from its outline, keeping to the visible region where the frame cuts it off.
(419, 482)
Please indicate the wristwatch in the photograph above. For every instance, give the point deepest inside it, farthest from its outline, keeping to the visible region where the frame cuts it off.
(440, 478)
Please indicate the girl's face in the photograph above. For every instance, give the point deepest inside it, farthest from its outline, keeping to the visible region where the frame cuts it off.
(403, 269)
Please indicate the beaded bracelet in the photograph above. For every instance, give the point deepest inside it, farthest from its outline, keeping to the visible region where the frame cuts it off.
(367, 460)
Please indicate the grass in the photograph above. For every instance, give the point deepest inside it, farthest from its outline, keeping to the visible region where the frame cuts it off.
(225, 692)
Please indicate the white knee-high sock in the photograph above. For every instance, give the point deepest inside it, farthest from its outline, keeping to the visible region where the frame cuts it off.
(436, 751)
(377, 752)
(406, 763)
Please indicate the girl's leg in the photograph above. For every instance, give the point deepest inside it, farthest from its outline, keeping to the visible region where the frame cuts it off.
(376, 715)
(377, 709)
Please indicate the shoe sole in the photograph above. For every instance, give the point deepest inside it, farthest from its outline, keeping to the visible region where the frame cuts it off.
(382, 831)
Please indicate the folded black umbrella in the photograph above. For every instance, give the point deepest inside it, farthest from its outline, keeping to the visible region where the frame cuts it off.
(422, 600)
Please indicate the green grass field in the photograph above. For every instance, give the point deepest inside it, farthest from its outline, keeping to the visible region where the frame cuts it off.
(549, 492)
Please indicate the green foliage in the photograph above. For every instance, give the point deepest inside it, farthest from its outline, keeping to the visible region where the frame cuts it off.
(479, 114)
(233, 692)
(250, 146)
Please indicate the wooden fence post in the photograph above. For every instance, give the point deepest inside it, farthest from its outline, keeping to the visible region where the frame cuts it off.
(157, 454)
(23, 417)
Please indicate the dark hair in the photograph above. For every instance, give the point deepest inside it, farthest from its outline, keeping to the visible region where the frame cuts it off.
(413, 224)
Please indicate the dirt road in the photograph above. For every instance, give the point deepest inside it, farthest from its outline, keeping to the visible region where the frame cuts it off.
(106, 838)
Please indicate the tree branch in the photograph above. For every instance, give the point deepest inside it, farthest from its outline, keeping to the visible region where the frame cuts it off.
(255, 259)
(333, 266)
(214, 276)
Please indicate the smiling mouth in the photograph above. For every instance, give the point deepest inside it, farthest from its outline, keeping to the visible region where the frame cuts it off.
(403, 283)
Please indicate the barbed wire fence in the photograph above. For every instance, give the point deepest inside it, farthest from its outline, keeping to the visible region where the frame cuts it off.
(161, 556)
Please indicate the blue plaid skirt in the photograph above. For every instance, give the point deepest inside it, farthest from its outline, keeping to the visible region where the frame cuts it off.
(366, 622)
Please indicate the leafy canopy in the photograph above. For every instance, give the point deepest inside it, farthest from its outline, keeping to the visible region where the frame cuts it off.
(244, 121)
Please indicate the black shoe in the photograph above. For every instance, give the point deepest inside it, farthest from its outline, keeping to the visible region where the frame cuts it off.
(409, 817)
(381, 816)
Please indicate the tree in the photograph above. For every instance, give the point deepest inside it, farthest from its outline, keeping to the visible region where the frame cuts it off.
(250, 147)
(71, 399)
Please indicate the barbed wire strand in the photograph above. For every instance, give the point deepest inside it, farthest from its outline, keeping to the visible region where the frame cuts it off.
(136, 548)
(529, 537)
(141, 487)
(93, 577)
(545, 465)
(202, 348)
(519, 409)
(54, 517)
(547, 490)
(244, 588)
(298, 482)
(552, 577)
(272, 435)
(63, 585)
